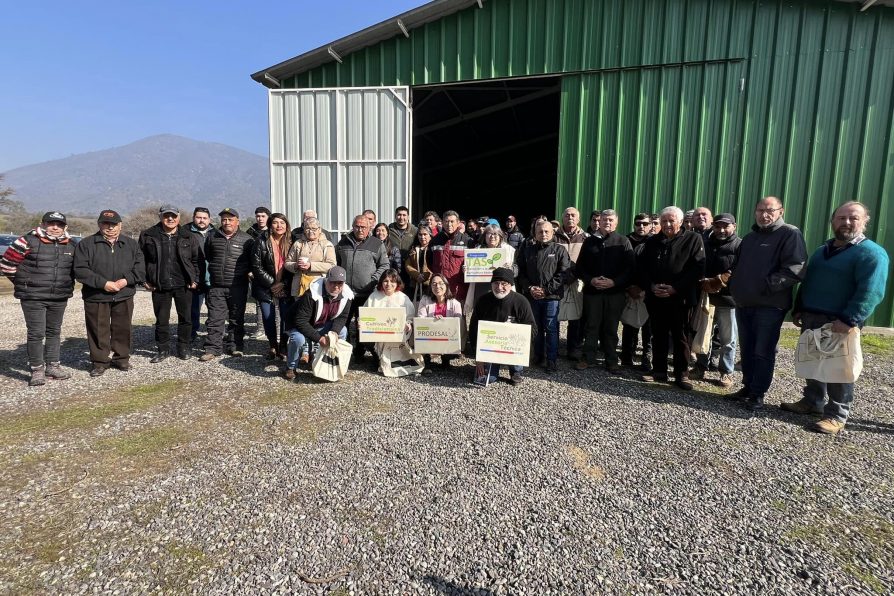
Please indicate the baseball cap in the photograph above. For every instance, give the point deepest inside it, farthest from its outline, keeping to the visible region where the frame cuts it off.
(109, 216)
(229, 211)
(168, 209)
(727, 218)
(54, 216)
(336, 274)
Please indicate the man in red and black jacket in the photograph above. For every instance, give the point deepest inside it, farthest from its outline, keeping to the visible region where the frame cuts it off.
(448, 252)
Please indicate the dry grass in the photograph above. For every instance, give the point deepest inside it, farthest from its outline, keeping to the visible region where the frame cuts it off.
(581, 461)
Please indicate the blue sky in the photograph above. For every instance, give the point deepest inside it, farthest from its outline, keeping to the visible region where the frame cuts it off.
(88, 75)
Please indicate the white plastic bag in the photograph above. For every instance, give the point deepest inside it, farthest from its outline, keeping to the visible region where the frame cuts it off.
(829, 357)
(331, 363)
(635, 313)
(571, 307)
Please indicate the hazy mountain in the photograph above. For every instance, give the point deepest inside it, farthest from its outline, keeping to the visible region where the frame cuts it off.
(159, 169)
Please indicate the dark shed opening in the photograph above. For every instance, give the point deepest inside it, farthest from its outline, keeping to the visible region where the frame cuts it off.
(488, 148)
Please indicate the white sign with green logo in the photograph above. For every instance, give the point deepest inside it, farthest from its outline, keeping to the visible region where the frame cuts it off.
(481, 262)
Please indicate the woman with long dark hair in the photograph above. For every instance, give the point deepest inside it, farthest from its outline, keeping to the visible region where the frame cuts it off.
(418, 264)
(438, 303)
(395, 261)
(272, 282)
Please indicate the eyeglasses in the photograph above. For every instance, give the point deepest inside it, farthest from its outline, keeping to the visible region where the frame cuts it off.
(169, 216)
(438, 283)
(768, 211)
(313, 229)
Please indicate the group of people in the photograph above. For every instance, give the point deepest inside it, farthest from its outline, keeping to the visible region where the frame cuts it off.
(307, 287)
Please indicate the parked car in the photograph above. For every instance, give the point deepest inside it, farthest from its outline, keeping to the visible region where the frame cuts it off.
(6, 241)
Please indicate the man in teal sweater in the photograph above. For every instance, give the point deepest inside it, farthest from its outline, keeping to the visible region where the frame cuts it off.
(845, 281)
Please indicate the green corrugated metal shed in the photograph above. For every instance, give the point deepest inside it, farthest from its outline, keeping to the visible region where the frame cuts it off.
(686, 102)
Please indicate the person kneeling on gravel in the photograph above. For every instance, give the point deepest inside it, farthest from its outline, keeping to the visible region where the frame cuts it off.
(40, 265)
(501, 305)
(324, 307)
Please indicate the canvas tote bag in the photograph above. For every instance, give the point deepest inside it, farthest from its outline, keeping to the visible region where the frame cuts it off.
(829, 357)
(571, 307)
(331, 363)
(703, 325)
(635, 313)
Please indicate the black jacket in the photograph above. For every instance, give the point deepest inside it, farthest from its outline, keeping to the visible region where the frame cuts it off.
(545, 265)
(264, 269)
(96, 262)
(229, 260)
(609, 256)
(771, 261)
(310, 307)
(491, 308)
(188, 253)
(47, 271)
(720, 258)
(679, 262)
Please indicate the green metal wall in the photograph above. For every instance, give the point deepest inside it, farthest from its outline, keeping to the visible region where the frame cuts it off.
(690, 102)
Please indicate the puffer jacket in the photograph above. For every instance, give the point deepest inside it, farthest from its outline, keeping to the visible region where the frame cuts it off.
(97, 262)
(364, 262)
(229, 259)
(545, 265)
(720, 259)
(263, 267)
(40, 268)
(189, 255)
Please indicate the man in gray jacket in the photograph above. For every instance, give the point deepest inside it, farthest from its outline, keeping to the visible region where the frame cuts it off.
(770, 262)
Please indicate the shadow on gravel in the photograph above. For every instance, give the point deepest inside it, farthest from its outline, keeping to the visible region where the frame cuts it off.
(869, 426)
(448, 587)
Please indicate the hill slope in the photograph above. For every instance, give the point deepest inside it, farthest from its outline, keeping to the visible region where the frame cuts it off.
(158, 169)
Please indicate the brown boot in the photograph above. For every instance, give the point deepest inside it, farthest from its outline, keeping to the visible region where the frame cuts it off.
(802, 406)
(827, 426)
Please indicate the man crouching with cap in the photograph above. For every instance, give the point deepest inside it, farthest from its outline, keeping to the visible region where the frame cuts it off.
(109, 266)
(324, 307)
(228, 254)
(173, 258)
(501, 305)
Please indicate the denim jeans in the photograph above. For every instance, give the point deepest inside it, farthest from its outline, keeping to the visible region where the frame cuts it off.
(727, 335)
(546, 341)
(198, 299)
(759, 328)
(841, 395)
(268, 314)
(297, 341)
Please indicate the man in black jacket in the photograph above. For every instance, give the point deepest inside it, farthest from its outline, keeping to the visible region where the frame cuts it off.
(642, 230)
(173, 271)
(544, 267)
(721, 248)
(324, 307)
(771, 261)
(671, 265)
(605, 265)
(109, 266)
(228, 254)
(200, 228)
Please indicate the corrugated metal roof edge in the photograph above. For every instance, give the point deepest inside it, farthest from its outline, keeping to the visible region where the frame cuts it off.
(412, 19)
(431, 11)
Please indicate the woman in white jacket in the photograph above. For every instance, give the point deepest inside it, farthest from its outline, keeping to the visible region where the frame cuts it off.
(389, 294)
(438, 302)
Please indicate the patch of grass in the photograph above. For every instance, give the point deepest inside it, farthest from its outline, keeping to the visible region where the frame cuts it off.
(150, 441)
(788, 338)
(877, 345)
(89, 413)
(869, 537)
(282, 396)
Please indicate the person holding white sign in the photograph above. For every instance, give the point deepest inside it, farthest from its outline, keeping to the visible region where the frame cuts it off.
(501, 305)
(492, 236)
(438, 303)
(389, 294)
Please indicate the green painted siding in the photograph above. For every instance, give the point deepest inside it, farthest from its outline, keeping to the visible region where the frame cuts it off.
(715, 102)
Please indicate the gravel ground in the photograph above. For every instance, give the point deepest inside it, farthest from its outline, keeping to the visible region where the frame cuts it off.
(186, 477)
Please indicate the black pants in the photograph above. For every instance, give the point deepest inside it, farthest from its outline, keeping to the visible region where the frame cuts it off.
(109, 330)
(43, 319)
(629, 336)
(161, 306)
(669, 316)
(226, 319)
